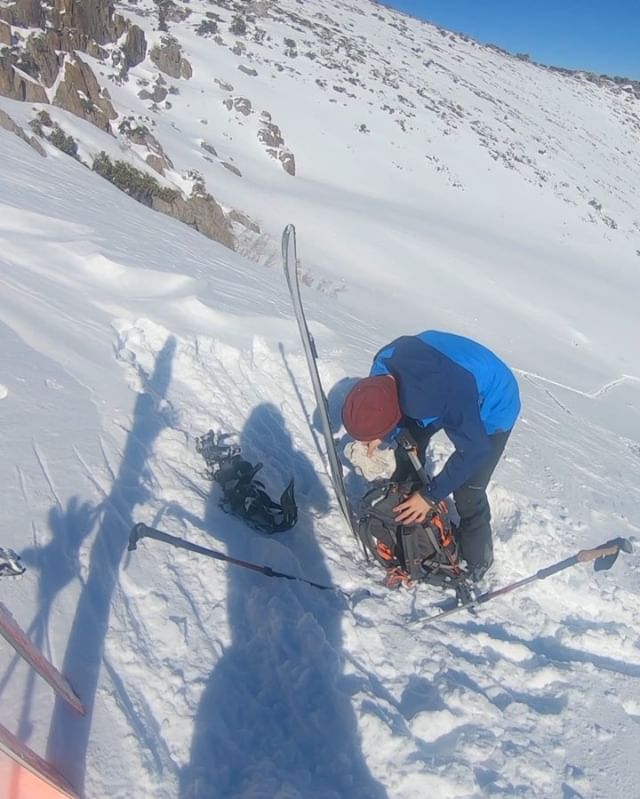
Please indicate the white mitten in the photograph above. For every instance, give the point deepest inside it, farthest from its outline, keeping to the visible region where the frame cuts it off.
(380, 466)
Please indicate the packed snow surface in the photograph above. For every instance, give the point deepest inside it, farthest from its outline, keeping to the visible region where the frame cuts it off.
(126, 334)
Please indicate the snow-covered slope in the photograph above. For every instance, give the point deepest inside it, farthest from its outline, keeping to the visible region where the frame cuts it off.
(125, 334)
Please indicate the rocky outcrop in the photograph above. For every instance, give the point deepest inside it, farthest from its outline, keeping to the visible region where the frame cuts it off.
(17, 85)
(271, 137)
(88, 21)
(288, 161)
(240, 104)
(80, 93)
(43, 50)
(245, 221)
(66, 26)
(158, 93)
(157, 159)
(135, 46)
(7, 123)
(201, 212)
(169, 59)
(24, 14)
(5, 33)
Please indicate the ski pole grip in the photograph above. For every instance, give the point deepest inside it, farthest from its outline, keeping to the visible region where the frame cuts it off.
(137, 532)
(587, 555)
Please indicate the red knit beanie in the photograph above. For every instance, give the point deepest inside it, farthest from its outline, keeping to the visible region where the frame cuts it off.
(371, 409)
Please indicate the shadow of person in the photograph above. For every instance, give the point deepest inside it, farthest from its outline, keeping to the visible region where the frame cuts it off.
(275, 719)
(69, 734)
(58, 564)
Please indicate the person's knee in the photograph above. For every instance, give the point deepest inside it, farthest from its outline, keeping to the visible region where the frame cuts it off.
(472, 503)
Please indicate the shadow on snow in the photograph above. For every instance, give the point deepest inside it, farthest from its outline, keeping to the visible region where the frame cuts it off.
(69, 734)
(275, 718)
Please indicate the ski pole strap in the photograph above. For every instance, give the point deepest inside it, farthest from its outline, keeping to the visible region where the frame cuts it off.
(141, 531)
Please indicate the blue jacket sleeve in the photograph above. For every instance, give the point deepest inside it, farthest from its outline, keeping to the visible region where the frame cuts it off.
(464, 427)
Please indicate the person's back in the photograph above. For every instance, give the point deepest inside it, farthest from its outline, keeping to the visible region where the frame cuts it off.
(433, 381)
(498, 395)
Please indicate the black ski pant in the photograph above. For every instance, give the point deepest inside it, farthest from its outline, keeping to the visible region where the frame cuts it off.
(474, 532)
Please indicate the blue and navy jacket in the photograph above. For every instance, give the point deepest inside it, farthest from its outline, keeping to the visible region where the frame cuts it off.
(453, 384)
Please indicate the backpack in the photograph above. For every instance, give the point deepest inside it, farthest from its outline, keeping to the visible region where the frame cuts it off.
(426, 553)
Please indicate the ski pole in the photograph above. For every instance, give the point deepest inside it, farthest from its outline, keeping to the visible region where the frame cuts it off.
(141, 531)
(603, 558)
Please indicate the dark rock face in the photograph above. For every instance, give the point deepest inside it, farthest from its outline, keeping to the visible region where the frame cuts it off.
(135, 46)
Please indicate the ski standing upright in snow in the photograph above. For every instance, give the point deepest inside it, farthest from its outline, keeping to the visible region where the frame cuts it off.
(290, 263)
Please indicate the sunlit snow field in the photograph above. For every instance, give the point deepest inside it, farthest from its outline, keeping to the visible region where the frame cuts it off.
(126, 334)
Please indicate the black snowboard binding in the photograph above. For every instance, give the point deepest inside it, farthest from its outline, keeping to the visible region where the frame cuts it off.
(242, 494)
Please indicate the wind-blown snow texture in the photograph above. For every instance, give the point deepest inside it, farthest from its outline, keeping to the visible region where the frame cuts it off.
(125, 334)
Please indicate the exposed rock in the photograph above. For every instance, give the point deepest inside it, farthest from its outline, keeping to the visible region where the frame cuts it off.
(80, 93)
(158, 94)
(245, 221)
(260, 7)
(208, 148)
(135, 46)
(240, 104)
(24, 14)
(142, 136)
(247, 71)
(89, 20)
(201, 212)
(156, 163)
(227, 87)
(17, 85)
(270, 135)
(243, 106)
(232, 168)
(9, 124)
(42, 50)
(168, 58)
(5, 33)
(288, 162)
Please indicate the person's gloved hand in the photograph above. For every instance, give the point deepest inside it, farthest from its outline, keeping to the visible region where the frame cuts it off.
(413, 510)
